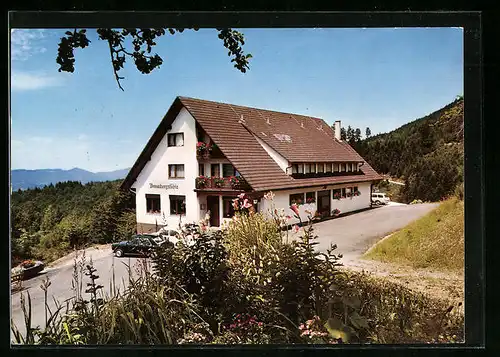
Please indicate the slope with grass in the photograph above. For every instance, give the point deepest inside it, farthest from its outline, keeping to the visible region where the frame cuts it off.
(433, 241)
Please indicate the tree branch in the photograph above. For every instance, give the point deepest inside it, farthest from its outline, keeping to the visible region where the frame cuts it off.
(117, 77)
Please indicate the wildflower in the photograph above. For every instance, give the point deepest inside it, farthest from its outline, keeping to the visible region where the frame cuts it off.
(260, 323)
(295, 228)
(288, 217)
(246, 204)
(241, 195)
(269, 196)
(295, 209)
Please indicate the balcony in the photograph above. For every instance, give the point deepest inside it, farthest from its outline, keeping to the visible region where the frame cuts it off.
(233, 183)
(206, 151)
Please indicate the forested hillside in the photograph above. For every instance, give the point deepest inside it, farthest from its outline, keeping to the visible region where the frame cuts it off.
(427, 153)
(48, 222)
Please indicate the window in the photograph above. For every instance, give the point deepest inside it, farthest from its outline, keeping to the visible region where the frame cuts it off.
(309, 168)
(146, 242)
(343, 192)
(297, 198)
(176, 171)
(201, 170)
(227, 207)
(215, 170)
(337, 193)
(295, 168)
(328, 167)
(336, 168)
(153, 203)
(176, 139)
(228, 170)
(177, 204)
(300, 168)
(310, 197)
(321, 168)
(342, 167)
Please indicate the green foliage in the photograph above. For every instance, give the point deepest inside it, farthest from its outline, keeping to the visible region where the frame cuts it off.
(436, 175)
(212, 289)
(418, 152)
(200, 269)
(48, 222)
(396, 315)
(143, 40)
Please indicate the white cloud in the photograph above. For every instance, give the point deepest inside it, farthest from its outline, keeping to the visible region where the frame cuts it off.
(41, 139)
(82, 137)
(22, 81)
(26, 43)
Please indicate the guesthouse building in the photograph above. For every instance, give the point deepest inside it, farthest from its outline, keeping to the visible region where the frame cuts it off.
(203, 154)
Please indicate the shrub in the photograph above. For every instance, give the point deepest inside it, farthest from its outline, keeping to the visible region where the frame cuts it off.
(249, 235)
(200, 269)
(396, 314)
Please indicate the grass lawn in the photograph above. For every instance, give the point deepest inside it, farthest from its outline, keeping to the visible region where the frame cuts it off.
(433, 241)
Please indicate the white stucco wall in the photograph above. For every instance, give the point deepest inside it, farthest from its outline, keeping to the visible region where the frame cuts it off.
(282, 200)
(280, 160)
(156, 172)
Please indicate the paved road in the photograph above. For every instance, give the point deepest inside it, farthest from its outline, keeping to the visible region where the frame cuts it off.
(61, 287)
(353, 235)
(396, 183)
(356, 233)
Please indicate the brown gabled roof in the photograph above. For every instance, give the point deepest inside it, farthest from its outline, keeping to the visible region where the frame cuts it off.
(235, 138)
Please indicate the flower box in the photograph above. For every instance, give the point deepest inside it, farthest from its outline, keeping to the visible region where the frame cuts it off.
(202, 182)
(237, 182)
(219, 182)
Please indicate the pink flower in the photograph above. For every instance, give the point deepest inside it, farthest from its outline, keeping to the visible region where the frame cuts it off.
(242, 196)
(295, 228)
(288, 217)
(246, 204)
(260, 324)
(295, 209)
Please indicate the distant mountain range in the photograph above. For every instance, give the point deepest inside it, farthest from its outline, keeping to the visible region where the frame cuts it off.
(24, 179)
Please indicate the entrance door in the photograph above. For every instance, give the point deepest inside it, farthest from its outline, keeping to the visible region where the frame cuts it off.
(324, 203)
(213, 207)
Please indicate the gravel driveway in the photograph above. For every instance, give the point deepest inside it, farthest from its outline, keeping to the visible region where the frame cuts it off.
(353, 234)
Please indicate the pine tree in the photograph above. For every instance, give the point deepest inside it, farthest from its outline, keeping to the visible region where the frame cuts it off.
(350, 133)
(343, 134)
(368, 132)
(357, 135)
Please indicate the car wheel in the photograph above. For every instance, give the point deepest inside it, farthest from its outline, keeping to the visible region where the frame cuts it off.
(119, 253)
(377, 203)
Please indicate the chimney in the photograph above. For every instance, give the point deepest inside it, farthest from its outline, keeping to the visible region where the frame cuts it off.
(337, 130)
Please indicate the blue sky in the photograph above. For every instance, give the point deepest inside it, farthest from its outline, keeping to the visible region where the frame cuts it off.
(380, 78)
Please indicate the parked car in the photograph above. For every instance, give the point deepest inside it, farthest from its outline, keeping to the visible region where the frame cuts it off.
(138, 245)
(380, 198)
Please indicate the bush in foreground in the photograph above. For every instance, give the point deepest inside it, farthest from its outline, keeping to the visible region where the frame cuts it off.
(213, 292)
